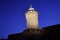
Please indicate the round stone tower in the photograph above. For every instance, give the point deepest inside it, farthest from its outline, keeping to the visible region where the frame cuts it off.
(32, 18)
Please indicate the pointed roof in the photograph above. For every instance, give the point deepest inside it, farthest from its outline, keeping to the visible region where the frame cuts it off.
(31, 8)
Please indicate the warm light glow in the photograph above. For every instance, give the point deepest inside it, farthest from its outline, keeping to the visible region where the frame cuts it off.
(32, 19)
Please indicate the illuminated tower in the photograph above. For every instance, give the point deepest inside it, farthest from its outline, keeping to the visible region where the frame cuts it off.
(32, 18)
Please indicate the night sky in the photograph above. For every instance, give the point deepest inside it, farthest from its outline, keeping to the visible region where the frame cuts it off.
(12, 14)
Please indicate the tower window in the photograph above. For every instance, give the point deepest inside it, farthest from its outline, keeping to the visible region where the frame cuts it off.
(31, 11)
(28, 30)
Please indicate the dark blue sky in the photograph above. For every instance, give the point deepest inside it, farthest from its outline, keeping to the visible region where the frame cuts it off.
(12, 14)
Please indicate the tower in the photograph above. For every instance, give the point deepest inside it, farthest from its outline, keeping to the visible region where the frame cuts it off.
(32, 18)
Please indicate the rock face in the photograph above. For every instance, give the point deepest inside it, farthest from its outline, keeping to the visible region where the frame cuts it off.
(48, 33)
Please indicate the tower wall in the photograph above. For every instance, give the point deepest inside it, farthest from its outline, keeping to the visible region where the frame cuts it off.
(32, 19)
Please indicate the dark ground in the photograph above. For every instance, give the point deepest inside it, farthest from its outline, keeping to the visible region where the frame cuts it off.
(47, 33)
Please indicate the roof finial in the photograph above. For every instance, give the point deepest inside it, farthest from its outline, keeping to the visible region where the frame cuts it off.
(30, 6)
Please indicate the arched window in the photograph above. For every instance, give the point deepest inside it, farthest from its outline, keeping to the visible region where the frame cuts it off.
(32, 30)
(28, 30)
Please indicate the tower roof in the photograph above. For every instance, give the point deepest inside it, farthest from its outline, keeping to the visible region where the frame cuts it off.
(31, 8)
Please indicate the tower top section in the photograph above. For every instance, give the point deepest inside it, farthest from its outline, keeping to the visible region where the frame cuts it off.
(31, 8)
